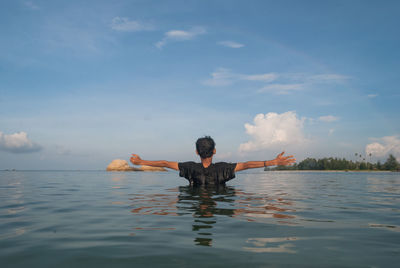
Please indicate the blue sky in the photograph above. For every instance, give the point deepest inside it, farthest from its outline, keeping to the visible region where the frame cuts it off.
(85, 82)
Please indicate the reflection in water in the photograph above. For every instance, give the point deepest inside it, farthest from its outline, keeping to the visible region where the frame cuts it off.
(257, 206)
(279, 245)
(12, 208)
(393, 228)
(155, 204)
(383, 185)
(207, 204)
(16, 232)
(204, 203)
(386, 192)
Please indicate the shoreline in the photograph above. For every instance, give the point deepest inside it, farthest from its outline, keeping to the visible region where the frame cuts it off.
(344, 171)
(288, 170)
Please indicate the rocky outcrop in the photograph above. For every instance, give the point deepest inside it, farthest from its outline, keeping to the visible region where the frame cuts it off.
(122, 165)
(149, 168)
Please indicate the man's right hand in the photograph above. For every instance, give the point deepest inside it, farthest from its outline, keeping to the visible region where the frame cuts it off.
(135, 159)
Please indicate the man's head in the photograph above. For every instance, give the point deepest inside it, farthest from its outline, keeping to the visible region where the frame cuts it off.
(205, 147)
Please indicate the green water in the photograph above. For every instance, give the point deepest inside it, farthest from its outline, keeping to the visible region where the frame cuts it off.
(138, 219)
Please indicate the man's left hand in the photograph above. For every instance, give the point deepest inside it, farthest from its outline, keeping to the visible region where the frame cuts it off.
(281, 160)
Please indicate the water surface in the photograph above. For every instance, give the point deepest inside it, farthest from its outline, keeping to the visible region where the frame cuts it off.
(262, 219)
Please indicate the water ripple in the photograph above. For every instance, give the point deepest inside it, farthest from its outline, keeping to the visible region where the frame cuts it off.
(261, 219)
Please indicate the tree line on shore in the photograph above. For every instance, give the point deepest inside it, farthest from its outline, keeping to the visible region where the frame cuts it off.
(391, 164)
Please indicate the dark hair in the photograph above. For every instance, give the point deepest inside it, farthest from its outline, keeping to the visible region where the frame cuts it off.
(205, 146)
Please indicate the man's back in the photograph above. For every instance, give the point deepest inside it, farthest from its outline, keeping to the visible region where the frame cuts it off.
(215, 173)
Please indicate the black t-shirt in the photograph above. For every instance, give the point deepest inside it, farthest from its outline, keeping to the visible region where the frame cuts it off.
(215, 174)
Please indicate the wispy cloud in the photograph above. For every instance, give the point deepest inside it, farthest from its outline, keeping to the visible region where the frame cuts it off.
(123, 24)
(371, 96)
(31, 5)
(221, 77)
(282, 89)
(268, 77)
(273, 129)
(18, 143)
(225, 77)
(61, 150)
(302, 82)
(85, 38)
(82, 39)
(275, 83)
(321, 78)
(230, 44)
(328, 118)
(180, 35)
(73, 38)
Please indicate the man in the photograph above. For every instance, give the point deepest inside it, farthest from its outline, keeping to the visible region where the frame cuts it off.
(206, 172)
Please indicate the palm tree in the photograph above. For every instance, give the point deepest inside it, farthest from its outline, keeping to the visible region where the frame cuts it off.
(370, 160)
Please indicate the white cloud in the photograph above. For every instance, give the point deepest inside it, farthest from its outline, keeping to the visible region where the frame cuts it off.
(268, 77)
(384, 146)
(126, 25)
(281, 88)
(328, 118)
(179, 35)
(230, 44)
(331, 131)
(372, 96)
(17, 143)
(272, 129)
(224, 77)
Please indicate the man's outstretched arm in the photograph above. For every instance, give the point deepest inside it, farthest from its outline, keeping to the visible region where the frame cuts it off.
(280, 160)
(136, 160)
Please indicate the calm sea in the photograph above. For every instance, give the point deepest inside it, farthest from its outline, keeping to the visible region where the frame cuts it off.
(140, 219)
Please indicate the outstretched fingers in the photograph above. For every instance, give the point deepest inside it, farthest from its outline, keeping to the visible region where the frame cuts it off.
(285, 160)
(135, 159)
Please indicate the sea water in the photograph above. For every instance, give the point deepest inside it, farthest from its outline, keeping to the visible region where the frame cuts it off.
(146, 219)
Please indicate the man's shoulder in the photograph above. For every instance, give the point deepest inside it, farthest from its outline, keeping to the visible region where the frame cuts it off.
(224, 164)
(188, 164)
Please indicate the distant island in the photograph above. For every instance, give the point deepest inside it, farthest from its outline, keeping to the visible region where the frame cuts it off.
(331, 163)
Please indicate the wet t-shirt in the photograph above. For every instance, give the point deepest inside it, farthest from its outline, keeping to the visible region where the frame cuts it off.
(216, 173)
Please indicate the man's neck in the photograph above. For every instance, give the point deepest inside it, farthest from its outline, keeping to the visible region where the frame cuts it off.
(206, 161)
